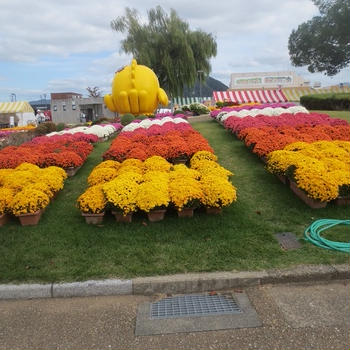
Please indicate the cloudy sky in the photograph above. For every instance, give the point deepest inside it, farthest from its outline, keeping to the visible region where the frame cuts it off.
(67, 45)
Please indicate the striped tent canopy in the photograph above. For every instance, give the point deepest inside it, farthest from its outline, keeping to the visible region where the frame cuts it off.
(14, 107)
(294, 94)
(246, 96)
(188, 100)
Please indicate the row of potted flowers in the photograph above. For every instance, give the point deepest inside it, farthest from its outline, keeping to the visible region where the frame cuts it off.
(300, 149)
(27, 190)
(236, 124)
(177, 145)
(102, 131)
(63, 153)
(321, 170)
(154, 185)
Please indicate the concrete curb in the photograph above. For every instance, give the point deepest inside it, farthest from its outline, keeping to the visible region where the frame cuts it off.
(176, 284)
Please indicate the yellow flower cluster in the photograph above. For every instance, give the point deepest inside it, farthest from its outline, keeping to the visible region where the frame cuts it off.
(92, 200)
(28, 188)
(155, 184)
(319, 168)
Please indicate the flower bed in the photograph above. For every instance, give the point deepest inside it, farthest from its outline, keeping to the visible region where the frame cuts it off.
(101, 130)
(44, 153)
(171, 140)
(320, 169)
(155, 184)
(27, 189)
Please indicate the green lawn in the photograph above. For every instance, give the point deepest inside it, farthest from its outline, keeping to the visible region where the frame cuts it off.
(337, 114)
(63, 248)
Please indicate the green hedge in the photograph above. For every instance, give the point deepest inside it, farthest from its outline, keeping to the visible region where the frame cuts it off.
(328, 102)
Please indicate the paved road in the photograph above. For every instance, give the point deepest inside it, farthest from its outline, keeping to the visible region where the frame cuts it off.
(293, 316)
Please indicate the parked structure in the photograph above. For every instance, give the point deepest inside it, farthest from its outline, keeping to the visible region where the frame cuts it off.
(18, 113)
(266, 80)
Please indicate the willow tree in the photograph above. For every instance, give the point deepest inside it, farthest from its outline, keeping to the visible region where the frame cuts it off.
(167, 45)
(323, 43)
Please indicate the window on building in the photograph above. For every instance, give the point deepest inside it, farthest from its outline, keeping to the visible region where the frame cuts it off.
(55, 107)
(64, 107)
(74, 106)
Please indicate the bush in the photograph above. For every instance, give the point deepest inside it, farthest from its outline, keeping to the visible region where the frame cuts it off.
(127, 119)
(328, 102)
(60, 126)
(45, 128)
(102, 120)
(141, 117)
(198, 108)
(178, 111)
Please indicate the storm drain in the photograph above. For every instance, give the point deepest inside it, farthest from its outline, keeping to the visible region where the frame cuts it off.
(193, 305)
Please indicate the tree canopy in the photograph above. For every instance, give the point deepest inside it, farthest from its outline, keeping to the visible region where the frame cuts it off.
(323, 43)
(168, 46)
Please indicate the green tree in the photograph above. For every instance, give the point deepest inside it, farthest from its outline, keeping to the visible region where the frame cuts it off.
(168, 46)
(323, 43)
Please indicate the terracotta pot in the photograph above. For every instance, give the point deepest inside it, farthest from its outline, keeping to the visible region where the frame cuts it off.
(122, 218)
(71, 171)
(94, 219)
(213, 210)
(30, 219)
(312, 203)
(156, 215)
(4, 218)
(185, 213)
(282, 178)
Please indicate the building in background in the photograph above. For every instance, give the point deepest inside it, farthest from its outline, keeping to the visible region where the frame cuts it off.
(266, 80)
(19, 113)
(72, 108)
(65, 107)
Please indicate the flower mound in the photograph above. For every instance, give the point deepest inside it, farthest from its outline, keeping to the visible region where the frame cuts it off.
(92, 201)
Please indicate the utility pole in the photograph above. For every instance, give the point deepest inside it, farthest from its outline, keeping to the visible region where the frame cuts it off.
(13, 97)
(200, 84)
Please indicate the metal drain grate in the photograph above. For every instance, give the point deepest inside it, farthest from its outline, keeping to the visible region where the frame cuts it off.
(194, 305)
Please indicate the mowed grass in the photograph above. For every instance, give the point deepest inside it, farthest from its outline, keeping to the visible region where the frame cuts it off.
(63, 248)
(337, 114)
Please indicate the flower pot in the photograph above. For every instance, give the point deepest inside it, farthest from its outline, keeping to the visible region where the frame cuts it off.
(213, 210)
(120, 217)
(185, 213)
(71, 171)
(156, 215)
(30, 219)
(312, 203)
(282, 178)
(4, 218)
(94, 219)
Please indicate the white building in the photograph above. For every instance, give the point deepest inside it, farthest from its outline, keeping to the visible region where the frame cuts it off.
(266, 80)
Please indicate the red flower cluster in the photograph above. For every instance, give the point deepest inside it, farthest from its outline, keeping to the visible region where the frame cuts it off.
(263, 140)
(236, 124)
(62, 153)
(171, 145)
(79, 136)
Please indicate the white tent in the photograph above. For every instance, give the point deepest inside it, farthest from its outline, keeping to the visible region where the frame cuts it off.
(22, 112)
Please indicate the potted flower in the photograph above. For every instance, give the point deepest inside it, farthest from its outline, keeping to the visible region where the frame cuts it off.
(27, 205)
(185, 194)
(6, 196)
(153, 198)
(217, 193)
(92, 204)
(121, 194)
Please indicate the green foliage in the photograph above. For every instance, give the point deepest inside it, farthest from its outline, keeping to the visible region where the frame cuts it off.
(198, 108)
(330, 102)
(60, 126)
(127, 119)
(178, 111)
(102, 120)
(141, 117)
(45, 128)
(221, 104)
(168, 46)
(322, 43)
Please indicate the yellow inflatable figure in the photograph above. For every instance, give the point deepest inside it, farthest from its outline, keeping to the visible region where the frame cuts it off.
(135, 89)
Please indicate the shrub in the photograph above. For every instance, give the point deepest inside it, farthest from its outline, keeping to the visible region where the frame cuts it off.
(330, 102)
(178, 111)
(141, 117)
(60, 126)
(127, 119)
(198, 108)
(45, 128)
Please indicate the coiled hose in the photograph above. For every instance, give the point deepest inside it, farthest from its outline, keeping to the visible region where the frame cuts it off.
(313, 234)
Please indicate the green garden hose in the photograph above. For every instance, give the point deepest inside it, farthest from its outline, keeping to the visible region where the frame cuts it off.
(313, 234)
